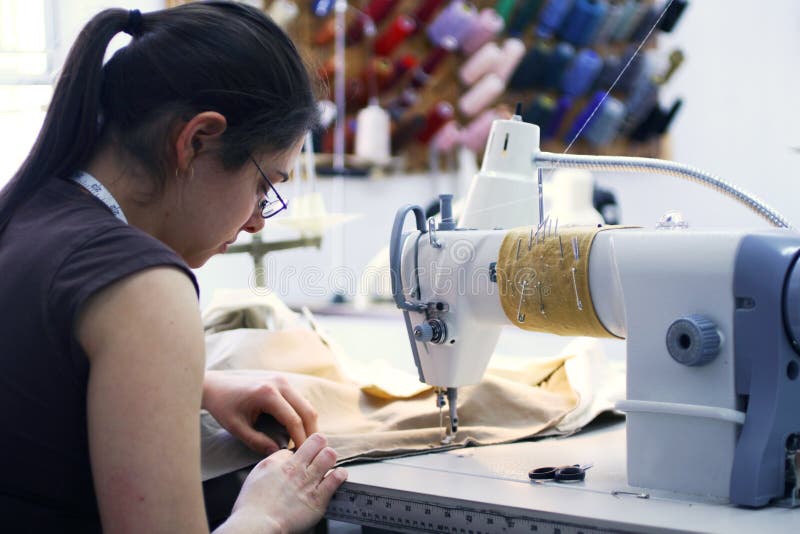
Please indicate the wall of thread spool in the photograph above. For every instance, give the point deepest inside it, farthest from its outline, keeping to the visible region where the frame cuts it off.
(431, 75)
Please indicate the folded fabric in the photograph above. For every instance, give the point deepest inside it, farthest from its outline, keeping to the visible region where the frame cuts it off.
(382, 413)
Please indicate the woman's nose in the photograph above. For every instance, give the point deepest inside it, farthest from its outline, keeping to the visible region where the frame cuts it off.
(255, 223)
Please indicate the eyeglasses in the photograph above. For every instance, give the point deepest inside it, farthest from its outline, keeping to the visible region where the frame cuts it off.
(269, 205)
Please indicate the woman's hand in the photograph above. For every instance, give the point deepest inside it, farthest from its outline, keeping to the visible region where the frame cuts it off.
(237, 400)
(287, 492)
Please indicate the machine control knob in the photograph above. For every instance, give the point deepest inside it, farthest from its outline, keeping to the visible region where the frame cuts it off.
(432, 331)
(693, 340)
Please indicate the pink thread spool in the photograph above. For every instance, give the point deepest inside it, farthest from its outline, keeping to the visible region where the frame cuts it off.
(476, 133)
(481, 95)
(437, 116)
(447, 138)
(513, 51)
(481, 62)
(484, 28)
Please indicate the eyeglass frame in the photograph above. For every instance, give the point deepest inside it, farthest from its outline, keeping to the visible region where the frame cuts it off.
(264, 203)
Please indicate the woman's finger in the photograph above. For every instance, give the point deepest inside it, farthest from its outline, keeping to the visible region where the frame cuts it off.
(257, 441)
(309, 450)
(322, 463)
(328, 485)
(273, 403)
(303, 408)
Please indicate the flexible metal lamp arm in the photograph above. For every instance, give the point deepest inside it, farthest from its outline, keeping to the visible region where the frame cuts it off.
(549, 160)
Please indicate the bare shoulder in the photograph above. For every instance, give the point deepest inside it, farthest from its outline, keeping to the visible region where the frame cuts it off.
(158, 304)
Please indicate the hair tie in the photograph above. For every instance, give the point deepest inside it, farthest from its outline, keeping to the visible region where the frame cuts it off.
(134, 25)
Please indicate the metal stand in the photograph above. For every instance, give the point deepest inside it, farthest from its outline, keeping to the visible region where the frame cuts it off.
(258, 249)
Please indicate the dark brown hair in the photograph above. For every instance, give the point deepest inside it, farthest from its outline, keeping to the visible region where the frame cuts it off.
(204, 56)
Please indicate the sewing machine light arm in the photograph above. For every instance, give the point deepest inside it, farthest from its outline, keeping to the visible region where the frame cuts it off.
(548, 160)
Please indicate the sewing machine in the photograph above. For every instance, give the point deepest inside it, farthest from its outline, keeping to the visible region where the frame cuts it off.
(711, 318)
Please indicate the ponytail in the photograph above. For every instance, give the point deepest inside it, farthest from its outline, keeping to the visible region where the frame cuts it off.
(70, 130)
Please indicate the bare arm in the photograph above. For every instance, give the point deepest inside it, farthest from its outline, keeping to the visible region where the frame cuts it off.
(144, 339)
(143, 336)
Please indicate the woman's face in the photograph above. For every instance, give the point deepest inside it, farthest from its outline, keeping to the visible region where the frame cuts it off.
(216, 204)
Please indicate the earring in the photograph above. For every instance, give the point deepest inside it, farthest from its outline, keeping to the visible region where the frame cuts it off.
(191, 173)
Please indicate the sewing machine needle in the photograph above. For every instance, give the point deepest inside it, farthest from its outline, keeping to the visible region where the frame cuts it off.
(575, 285)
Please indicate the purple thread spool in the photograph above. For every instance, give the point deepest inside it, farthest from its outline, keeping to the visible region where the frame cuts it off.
(552, 17)
(581, 74)
(485, 27)
(583, 21)
(455, 20)
(604, 125)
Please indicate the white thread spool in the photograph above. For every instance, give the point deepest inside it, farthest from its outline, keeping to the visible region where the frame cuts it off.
(481, 95)
(571, 193)
(373, 134)
(481, 62)
(513, 51)
(283, 12)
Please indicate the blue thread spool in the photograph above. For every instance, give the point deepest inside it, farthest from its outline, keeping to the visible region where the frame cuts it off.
(557, 63)
(608, 25)
(634, 13)
(530, 70)
(647, 23)
(541, 112)
(583, 21)
(321, 8)
(635, 64)
(562, 108)
(552, 17)
(582, 117)
(523, 17)
(604, 126)
(670, 18)
(582, 72)
(612, 65)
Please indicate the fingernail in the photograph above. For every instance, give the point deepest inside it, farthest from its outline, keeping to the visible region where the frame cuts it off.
(340, 474)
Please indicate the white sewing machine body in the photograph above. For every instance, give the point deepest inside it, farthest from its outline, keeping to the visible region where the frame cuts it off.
(710, 318)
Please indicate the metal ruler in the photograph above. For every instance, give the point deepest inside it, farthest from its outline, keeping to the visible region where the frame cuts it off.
(403, 512)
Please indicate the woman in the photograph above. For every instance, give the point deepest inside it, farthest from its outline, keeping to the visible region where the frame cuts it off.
(144, 167)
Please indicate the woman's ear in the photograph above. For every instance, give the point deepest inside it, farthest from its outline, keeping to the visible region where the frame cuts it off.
(198, 134)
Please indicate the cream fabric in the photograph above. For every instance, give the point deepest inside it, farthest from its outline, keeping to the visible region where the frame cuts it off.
(381, 413)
